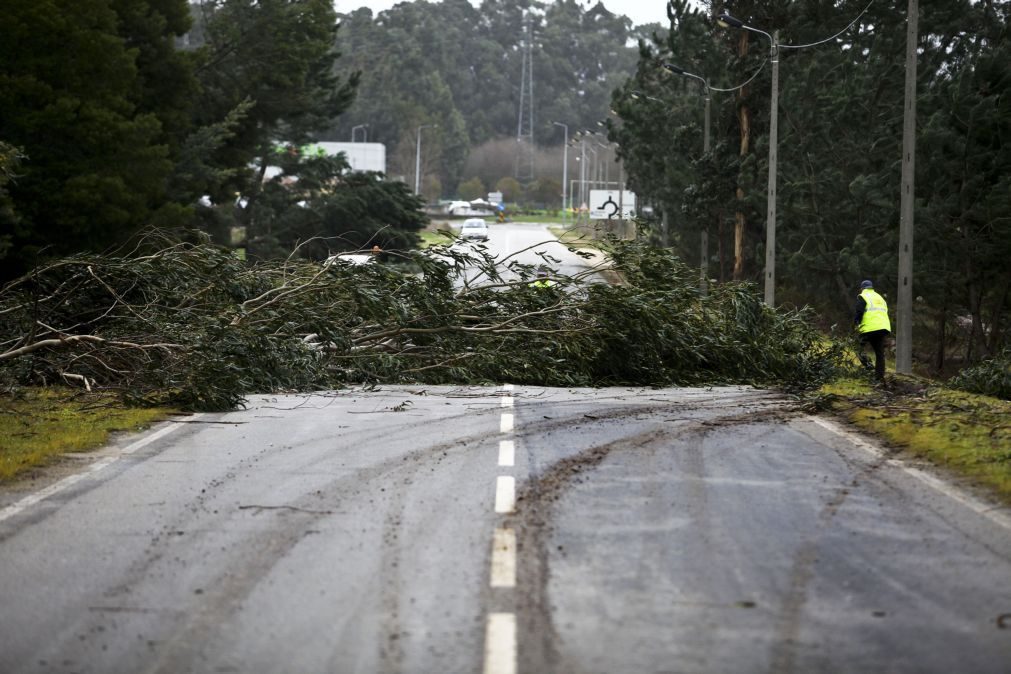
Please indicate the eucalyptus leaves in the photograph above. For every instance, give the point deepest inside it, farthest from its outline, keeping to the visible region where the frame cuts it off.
(188, 324)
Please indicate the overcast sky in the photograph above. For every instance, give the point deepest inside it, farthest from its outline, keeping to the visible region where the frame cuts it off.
(640, 11)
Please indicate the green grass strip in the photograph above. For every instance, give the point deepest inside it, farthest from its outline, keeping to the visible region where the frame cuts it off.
(37, 426)
(967, 433)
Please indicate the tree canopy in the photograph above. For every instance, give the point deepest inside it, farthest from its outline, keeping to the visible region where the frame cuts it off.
(120, 114)
(459, 66)
(839, 152)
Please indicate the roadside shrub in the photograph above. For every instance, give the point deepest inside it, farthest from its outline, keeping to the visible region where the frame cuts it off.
(991, 377)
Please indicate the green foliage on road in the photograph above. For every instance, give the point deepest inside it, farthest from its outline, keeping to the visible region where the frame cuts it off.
(964, 432)
(38, 425)
(190, 326)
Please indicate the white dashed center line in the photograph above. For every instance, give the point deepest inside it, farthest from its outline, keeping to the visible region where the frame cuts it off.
(506, 453)
(503, 558)
(505, 494)
(500, 644)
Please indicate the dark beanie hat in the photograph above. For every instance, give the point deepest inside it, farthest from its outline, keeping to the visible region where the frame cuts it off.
(865, 285)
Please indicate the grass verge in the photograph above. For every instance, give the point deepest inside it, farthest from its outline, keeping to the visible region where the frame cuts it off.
(37, 426)
(570, 236)
(539, 218)
(967, 433)
(431, 238)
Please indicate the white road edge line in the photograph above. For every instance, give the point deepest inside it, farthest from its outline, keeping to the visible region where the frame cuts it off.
(979, 507)
(506, 426)
(505, 494)
(507, 401)
(56, 487)
(503, 558)
(506, 453)
(500, 644)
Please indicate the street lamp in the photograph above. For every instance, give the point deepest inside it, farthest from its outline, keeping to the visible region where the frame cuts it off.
(582, 169)
(606, 162)
(365, 133)
(565, 167)
(727, 21)
(417, 158)
(606, 155)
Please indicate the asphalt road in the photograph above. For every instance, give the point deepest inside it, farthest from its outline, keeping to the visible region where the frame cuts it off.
(531, 244)
(439, 529)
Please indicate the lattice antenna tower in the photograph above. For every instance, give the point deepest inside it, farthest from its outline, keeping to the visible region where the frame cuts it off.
(525, 127)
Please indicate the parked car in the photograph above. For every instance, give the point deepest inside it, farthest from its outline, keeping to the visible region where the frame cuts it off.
(350, 258)
(474, 229)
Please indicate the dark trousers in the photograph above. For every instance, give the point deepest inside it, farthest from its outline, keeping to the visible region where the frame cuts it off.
(877, 341)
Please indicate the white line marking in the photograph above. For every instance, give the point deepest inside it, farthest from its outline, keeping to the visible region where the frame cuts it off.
(951, 492)
(507, 387)
(505, 494)
(507, 401)
(133, 447)
(506, 453)
(849, 435)
(507, 424)
(500, 644)
(503, 558)
(56, 487)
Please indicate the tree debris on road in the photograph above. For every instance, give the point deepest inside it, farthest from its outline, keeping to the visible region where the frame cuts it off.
(189, 325)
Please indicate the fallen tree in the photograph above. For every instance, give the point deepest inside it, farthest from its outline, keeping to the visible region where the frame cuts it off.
(189, 325)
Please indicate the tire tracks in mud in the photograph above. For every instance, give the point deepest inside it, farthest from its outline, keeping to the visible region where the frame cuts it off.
(536, 500)
(789, 624)
(244, 562)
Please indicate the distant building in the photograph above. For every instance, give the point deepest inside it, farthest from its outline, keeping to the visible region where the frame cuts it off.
(464, 208)
(361, 156)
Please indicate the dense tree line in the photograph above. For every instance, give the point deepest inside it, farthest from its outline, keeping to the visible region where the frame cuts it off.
(120, 114)
(114, 116)
(459, 66)
(839, 152)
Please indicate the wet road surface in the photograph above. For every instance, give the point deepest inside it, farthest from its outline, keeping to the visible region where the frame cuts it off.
(501, 529)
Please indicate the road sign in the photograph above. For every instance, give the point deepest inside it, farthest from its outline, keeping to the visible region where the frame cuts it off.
(611, 204)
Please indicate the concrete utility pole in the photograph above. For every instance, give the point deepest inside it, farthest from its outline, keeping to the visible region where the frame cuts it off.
(704, 238)
(770, 222)
(904, 303)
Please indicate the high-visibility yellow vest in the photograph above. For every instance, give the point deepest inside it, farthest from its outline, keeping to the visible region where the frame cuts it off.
(876, 312)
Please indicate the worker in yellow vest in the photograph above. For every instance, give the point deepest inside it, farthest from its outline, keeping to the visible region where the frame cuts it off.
(871, 320)
(542, 280)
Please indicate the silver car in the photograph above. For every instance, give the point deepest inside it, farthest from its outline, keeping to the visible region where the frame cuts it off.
(474, 229)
